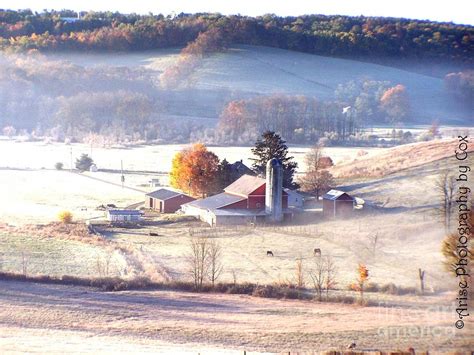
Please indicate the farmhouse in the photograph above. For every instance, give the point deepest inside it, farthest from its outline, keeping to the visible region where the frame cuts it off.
(166, 201)
(124, 216)
(250, 199)
(337, 203)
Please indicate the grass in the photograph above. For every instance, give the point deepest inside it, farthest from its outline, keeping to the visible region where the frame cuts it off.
(396, 159)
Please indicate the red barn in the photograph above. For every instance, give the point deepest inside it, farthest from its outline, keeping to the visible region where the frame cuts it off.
(242, 202)
(166, 201)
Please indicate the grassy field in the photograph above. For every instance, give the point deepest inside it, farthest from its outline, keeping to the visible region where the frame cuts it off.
(32, 255)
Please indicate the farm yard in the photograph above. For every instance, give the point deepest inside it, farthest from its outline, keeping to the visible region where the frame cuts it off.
(399, 215)
(395, 234)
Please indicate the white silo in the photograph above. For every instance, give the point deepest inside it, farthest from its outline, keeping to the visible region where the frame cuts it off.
(274, 190)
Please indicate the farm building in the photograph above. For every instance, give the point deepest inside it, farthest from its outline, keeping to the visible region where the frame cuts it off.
(337, 203)
(166, 201)
(250, 199)
(155, 182)
(124, 216)
(295, 199)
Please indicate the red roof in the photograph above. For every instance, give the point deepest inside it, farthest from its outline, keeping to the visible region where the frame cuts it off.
(245, 185)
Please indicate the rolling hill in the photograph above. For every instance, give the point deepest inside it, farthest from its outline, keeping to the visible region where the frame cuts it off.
(247, 71)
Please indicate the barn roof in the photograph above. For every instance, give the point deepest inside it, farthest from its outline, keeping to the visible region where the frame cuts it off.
(164, 194)
(216, 201)
(118, 212)
(337, 195)
(245, 185)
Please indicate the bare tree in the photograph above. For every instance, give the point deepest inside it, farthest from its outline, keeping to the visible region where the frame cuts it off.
(214, 261)
(103, 263)
(373, 242)
(421, 275)
(198, 260)
(445, 185)
(331, 271)
(318, 276)
(299, 273)
(317, 178)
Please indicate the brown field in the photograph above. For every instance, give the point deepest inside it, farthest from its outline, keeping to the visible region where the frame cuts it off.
(80, 319)
(395, 159)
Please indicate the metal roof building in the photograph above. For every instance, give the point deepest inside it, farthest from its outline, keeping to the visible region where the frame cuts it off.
(337, 203)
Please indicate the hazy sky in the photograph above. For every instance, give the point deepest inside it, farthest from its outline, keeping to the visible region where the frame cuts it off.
(459, 11)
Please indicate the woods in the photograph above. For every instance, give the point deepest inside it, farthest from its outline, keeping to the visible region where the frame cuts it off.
(342, 36)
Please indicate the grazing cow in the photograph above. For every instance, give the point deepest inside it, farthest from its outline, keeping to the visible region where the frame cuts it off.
(151, 234)
(269, 253)
(317, 252)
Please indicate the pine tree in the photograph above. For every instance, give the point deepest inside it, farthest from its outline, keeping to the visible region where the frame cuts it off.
(84, 162)
(271, 145)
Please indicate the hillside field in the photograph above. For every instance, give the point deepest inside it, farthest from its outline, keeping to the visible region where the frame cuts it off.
(251, 70)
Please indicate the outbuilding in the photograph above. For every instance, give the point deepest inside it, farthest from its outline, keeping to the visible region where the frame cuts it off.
(124, 216)
(295, 198)
(337, 203)
(166, 200)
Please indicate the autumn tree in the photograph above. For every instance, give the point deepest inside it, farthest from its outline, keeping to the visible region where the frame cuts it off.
(271, 145)
(451, 247)
(362, 277)
(317, 179)
(194, 170)
(395, 103)
(65, 217)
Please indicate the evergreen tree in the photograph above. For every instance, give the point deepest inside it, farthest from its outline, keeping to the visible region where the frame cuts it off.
(271, 145)
(84, 162)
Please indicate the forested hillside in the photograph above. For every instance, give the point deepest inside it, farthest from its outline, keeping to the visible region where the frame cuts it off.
(343, 36)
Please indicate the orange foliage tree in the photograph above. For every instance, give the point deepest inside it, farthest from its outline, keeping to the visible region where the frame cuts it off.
(362, 277)
(395, 103)
(195, 170)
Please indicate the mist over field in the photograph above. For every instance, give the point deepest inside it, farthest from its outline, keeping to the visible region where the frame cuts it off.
(133, 153)
(121, 96)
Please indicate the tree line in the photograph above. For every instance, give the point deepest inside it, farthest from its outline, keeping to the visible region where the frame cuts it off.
(307, 119)
(342, 36)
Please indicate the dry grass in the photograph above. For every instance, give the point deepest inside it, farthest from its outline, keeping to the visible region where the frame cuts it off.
(230, 321)
(396, 159)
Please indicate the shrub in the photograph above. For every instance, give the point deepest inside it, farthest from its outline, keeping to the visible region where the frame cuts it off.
(65, 217)
(59, 166)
